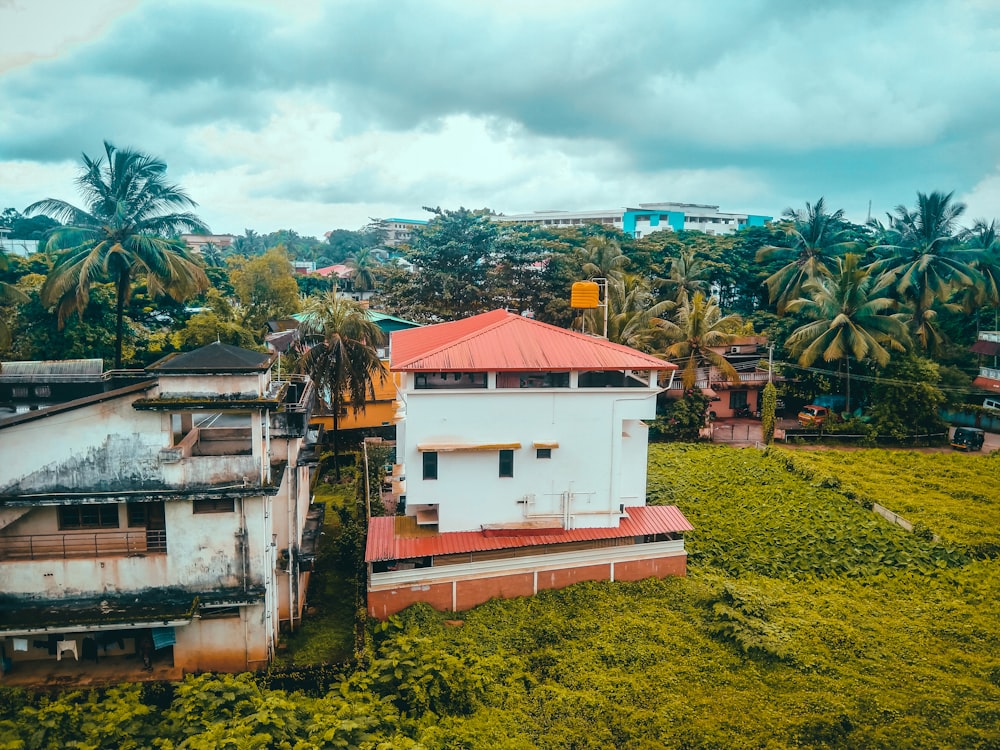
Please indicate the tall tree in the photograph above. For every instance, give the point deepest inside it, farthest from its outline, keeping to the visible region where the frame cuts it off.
(602, 257)
(123, 233)
(817, 237)
(342, 360)
(925, 264)
(847, 320)
(634, 314)
(698, 326)
(453, 254)
(688, 275)
(9, 295)
(362, 266)
(265, 287)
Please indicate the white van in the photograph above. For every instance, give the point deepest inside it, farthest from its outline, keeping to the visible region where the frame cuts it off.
(992, 404)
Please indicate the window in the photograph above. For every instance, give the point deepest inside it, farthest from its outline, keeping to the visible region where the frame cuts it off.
(43, 391)
(543, 453)
(88, 516)
(19, 391)
(737, 399)
(506, 463)
(430, 465)
(213, 505)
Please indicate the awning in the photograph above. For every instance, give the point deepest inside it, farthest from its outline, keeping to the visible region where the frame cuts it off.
(449, 447)
(712, 395)
(545, 444)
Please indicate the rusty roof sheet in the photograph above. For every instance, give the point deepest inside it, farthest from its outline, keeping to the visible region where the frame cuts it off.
(983, 346)
(42, 367)
(398, 537)
(503, 341)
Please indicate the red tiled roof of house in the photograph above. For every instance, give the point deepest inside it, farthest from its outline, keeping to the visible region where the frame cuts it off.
(384, 543)
(503, 341)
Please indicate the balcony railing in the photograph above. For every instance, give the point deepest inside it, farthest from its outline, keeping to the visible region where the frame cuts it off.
(989, 372)
(95, 544)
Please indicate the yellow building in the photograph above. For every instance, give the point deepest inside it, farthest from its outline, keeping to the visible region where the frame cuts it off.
(379, 412)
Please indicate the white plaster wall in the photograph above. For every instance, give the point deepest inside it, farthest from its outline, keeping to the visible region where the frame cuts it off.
(104, 443)
(250, 385)
(586, 423)
(202, 554)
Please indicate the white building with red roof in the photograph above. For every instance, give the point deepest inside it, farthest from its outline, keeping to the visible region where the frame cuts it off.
(523, 449)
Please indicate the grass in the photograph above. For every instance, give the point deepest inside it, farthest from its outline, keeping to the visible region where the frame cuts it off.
(954, 496)
(326, 635)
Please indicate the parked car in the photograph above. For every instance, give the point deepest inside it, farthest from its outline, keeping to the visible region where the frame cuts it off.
(967, 439)
(813, 415)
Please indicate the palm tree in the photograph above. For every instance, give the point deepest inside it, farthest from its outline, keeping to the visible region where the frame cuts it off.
(688, 275)
(926, 263)
(9, 295)
(847, 320)
(131, 210)
(342, 360)
(633, 313)
(602, 258)
(984, 243)
(699, 325)
(817, 238)
(362, 265)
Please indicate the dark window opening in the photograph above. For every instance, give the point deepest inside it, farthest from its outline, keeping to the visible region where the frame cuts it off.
(543, 453)
(737, 399)
(214, 505)
(430, 465)
(507, 463)
(88, 516)
(610, 379)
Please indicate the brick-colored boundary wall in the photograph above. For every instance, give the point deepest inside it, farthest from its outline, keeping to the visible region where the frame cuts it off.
(463, 593)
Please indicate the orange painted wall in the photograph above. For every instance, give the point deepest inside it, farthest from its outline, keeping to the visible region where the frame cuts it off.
(381, 409)
(472, 593)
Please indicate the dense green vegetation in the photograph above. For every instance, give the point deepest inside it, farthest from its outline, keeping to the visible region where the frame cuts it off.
(805, 621)
(958, 501)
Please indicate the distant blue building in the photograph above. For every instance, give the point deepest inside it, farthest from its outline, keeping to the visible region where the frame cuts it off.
(648, 218)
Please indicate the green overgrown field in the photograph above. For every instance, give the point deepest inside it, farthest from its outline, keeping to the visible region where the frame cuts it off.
(954, 496)
(806, 621)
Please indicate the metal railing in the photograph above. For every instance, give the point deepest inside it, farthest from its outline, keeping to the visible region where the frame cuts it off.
(95, 544)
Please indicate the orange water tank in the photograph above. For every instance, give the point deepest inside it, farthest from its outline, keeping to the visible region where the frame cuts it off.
(585, 295)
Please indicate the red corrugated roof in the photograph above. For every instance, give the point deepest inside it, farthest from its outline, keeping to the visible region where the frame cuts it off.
(385, 544)
(982, 346)
(503, 341)
(987, 384)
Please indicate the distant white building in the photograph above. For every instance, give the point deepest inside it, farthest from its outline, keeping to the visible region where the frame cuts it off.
(521, 452)
(22, 248)
(197, 242)
(399, 231)
(647, 218)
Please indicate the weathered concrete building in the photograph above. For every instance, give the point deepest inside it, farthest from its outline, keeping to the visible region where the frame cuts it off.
(169, 519)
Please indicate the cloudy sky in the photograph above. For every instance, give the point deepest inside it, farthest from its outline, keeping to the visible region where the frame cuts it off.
(318, 114)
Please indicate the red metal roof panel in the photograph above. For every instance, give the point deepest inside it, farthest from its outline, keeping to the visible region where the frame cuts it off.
(987, 384)
(502, 341)
(385, 544)
(982, 346)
